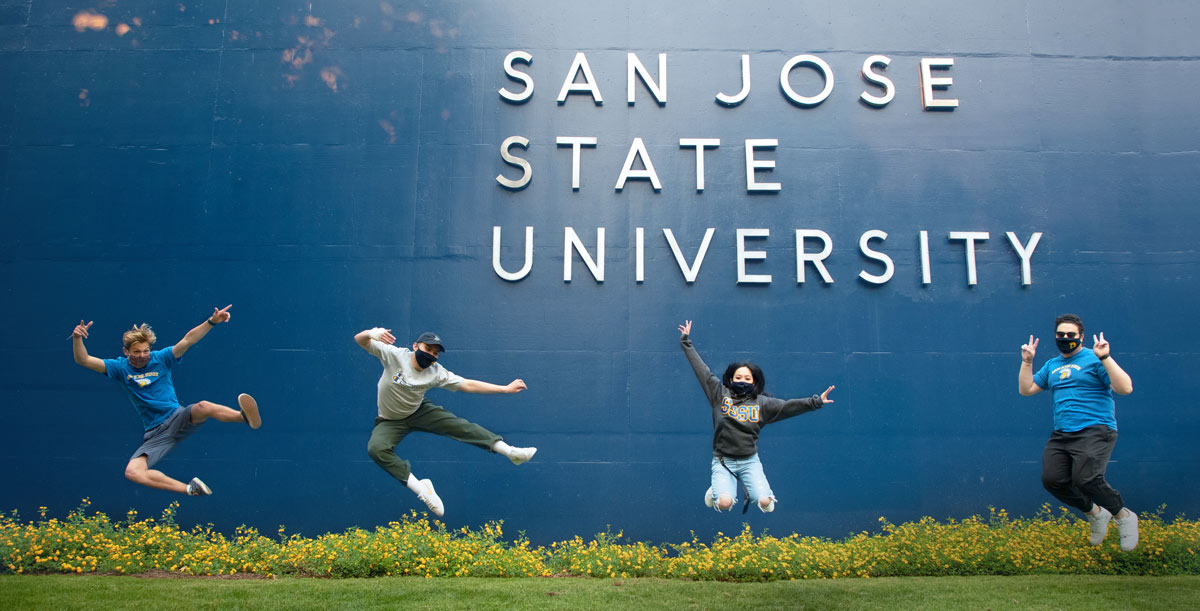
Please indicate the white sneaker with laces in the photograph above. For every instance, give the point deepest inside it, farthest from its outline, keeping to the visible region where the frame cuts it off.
(521, 455)
(431, 498)
(197, 488)
(1128, 529)
(1099, 526)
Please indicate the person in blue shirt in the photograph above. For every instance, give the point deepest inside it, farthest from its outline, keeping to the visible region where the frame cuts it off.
(1085, 426)
(145, 376)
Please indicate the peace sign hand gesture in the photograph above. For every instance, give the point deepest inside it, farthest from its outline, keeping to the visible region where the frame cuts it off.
(1029, 350)
(1100, 346)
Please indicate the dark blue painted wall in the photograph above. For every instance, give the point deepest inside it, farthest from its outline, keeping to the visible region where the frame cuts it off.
(201, 159)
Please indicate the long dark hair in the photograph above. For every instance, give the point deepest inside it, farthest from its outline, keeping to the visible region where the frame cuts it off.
(759, 380)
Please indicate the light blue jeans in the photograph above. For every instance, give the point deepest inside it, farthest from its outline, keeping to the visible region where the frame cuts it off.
(747, 470)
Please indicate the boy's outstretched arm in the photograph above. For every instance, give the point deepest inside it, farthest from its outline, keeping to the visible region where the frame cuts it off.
(200, 330)
(81, 354)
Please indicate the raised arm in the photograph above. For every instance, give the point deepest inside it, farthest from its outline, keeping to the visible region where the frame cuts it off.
(363, 338)
(484, 388)
(199, 331)
(1119, 381)
(708, 380)
(1025, 383)
(81, 354)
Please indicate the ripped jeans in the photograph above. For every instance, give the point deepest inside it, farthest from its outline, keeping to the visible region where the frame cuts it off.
(748, 471)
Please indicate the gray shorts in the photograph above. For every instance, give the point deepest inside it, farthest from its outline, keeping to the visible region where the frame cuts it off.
(162, 438)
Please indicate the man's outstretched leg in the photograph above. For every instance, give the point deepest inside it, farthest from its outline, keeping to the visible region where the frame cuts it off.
(249, 413)
(440, 421)
(138, 472)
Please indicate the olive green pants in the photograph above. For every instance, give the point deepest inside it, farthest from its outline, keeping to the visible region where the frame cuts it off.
(430, 418)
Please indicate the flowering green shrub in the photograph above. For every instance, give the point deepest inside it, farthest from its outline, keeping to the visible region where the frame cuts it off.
(605, 556)
(1048, 543)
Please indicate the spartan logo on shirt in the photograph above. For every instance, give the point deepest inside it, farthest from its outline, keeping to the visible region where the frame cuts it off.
(1064, 372)
(741, 413)
(399, 379)
(142, 379)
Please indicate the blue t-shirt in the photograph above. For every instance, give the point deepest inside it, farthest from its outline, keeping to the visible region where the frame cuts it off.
(1082, 393)
(150, 388)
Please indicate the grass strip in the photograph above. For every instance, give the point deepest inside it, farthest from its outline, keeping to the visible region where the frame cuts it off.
(1084, 592)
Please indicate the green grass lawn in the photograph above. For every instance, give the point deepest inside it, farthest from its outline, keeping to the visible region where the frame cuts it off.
(1023, 592)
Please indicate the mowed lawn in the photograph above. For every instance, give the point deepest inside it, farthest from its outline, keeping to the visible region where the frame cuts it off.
(1026, 592)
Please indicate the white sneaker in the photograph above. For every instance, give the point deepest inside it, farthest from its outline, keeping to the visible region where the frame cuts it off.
(249, 410)
(521, 455)
(1099, 526)
(198, 488)
(431, 499)
(768, 508)
(1128, 529)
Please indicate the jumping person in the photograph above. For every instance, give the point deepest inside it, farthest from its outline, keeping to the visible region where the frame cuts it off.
(1085, 426)
(739, 411)
(403, 408)
(146, 377)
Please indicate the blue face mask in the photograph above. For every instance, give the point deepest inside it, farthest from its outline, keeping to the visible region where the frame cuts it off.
(424, 359)
(741, 389)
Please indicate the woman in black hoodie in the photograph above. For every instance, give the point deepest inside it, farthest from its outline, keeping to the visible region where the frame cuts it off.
(739, 411)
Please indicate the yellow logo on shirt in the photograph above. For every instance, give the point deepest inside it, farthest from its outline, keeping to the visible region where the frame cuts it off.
(142, 379)
(1064, 372)
(399, 379)
(741, 413)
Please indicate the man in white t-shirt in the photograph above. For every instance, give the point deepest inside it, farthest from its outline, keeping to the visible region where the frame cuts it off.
(403, 408)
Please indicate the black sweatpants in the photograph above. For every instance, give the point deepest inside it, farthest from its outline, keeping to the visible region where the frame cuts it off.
(1073, 466)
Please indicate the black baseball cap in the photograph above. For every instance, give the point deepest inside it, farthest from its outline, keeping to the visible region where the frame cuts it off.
(429, 338)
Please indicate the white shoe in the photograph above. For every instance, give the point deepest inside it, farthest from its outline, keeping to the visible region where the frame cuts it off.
(1128, 529)
(768, 508)
(1099, 526)
(431, 499)
(249, 410)
(199, 488)
(520, 456)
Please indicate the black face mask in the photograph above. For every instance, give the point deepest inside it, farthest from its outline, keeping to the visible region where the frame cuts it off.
(741, 389)
(1067, 345)
(424, 359)
(137, 362)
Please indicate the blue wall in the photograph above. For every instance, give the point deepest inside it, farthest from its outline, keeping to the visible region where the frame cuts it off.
(202, 158)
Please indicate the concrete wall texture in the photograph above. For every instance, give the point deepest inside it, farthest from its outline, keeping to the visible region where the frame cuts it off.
(330, 167)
